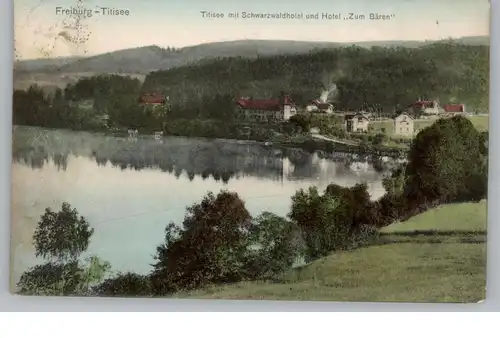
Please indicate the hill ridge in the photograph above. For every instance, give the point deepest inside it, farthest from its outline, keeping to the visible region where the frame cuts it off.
(144, 59)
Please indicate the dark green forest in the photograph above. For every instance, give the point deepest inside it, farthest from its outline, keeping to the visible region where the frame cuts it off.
(203, 94)
(384, 77)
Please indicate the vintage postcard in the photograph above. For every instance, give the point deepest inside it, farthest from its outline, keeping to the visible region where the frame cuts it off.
(262, 150)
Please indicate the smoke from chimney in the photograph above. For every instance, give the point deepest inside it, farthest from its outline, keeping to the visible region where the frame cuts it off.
(328, 84)
(331, 90)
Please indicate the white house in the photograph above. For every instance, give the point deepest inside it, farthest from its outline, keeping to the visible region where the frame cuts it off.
(428, 107)
(404, 125)
(87, 104)
(133, 132)
(267, 110)
(320, 107)
(158, 135)
(356, 123)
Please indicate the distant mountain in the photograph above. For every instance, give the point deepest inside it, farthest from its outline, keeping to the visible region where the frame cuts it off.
(37, 64)
(143, 60)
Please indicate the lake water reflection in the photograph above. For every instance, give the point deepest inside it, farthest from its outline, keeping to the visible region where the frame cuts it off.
(130, 189)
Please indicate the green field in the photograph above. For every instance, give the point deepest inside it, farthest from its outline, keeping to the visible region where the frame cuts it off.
(447, 267)
(480, 122)
(450, 217)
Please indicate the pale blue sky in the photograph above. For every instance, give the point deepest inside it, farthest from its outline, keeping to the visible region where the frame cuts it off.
(179, 23)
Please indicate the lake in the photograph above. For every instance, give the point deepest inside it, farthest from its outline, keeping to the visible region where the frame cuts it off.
(130, 189)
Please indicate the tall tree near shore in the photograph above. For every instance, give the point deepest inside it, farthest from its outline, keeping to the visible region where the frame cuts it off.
(61, 237)
(447, 162)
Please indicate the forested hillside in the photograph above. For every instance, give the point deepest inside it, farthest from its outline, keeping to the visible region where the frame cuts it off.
(381, 77)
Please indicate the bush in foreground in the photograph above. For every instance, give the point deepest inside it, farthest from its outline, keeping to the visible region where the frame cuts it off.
(275, 244)
(210, 246)
(125, 285)
(339, 219)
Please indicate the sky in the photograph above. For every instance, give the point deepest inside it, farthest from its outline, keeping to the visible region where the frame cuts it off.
(41, 32)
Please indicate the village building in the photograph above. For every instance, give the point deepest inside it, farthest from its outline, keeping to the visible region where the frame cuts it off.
(427, 107)
(133, 132)
(404, 125)
(152, 99)
(103, 119)
(266, 110)
(356, 123)
(314, 130)
(454, 109)
(158, 135)
(320, 107)
(365, 113)
(86, 104)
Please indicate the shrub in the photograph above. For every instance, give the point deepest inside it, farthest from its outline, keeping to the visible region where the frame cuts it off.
(378, 139)
(275, 245)
(209, 247)
(390, 208)
(336, 220)
(301, 122)
(51, 279)
(355, 207)
(125, 284)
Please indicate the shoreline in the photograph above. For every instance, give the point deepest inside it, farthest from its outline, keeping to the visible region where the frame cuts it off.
(310, 143)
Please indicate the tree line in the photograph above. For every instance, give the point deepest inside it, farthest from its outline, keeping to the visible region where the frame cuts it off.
(219, 242)
(96, 103)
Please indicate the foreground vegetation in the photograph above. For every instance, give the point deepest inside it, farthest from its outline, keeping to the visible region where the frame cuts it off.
(437, 256)
(405, 272)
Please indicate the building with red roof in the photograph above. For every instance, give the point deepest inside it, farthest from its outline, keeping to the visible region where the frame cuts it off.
(454, 108)
(152, 98)
(429, 107)
(266, 110)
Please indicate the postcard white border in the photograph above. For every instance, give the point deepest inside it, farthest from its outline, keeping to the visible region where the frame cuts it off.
(10, 302)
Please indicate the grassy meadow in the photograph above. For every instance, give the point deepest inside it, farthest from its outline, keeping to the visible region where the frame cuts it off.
(481, 122)
(447, 264)
(449, 217)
